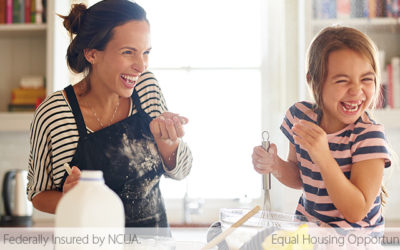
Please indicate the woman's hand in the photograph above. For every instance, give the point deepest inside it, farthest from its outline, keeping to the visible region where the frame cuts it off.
(72, 179)
(168, 127)
(312, 138)
(264, 161)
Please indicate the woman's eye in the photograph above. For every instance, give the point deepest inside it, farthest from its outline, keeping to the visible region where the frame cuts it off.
(147, 52)
(126, 52)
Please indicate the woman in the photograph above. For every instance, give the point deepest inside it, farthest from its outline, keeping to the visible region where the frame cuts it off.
(114, 120)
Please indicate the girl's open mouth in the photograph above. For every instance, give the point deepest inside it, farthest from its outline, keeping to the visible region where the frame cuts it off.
(351, 107)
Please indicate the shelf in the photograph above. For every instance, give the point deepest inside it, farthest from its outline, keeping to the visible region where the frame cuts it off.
(370, 23)
(22, 30)
(390, 118)
(15, 122)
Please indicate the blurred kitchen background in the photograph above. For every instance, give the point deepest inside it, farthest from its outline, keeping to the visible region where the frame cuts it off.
(232, 67)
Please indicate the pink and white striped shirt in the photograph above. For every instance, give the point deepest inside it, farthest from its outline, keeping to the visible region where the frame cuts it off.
(360, 141)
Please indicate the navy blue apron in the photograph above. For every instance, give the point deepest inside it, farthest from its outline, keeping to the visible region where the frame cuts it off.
(127, 154)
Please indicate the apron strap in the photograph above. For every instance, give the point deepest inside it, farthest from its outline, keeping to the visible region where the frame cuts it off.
(145, 118)
(73, 102)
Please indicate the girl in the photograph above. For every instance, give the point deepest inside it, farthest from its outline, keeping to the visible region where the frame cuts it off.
(337, 153)
(113, 120)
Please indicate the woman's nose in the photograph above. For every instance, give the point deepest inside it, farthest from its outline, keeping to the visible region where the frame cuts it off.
(140, 64)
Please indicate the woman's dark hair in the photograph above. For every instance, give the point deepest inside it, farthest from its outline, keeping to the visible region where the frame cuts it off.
(94, 26)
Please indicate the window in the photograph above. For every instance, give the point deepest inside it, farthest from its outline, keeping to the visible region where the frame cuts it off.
(207, 55)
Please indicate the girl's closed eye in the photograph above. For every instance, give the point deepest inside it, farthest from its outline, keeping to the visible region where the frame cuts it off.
(341, 81)
(368, 80)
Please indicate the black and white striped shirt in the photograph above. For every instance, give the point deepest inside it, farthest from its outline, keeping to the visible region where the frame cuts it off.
(54, 137)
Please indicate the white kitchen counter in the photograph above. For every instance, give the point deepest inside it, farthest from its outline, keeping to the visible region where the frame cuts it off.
(185, 238)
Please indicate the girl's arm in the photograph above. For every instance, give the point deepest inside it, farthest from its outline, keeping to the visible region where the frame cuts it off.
(286, 172)
(352, 197)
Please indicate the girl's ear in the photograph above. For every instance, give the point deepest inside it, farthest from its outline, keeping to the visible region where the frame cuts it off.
(308, 77)
(90, 55)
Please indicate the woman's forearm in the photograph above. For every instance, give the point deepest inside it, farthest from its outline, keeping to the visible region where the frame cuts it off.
(47, 201)
(168, 153)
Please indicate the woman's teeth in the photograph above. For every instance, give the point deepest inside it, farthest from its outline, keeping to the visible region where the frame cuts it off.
(130, 79)
(351, 106)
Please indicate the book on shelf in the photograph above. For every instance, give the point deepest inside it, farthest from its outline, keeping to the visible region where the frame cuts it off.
(324, 9)
(28, 92)
(9, 11)
(381, 8)
(393, 83)
(372, 8)
(395, 62)
(389, 93)
(2, 11)
(26, 99)
(382, 101)
(343, 9)
(27, 11)
(16, 12)
(392, 8)
(39, 11)
(359, 8)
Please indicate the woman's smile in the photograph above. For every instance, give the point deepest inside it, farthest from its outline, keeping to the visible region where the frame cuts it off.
(129, 81)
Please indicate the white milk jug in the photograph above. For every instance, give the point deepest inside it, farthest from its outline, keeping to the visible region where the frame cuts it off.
(90, 216)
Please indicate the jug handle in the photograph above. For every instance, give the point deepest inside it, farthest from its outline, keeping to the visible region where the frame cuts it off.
(6, 195)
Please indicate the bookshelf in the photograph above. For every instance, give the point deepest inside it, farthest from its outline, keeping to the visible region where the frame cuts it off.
(385, 31)
(22, 30)
(31, 49)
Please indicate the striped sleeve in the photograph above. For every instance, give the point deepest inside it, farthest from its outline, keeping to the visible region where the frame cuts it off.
(299, 111)
(287, 124)
(53, 141)
(153, 103)
(151, 97)
(371, 144)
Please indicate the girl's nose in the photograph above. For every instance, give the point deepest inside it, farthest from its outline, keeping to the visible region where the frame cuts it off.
(355, 88)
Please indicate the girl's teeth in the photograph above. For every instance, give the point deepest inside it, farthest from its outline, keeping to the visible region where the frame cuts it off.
(351, 107)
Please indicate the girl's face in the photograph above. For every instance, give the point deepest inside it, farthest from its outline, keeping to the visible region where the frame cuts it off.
(125, 57)
(348, 89)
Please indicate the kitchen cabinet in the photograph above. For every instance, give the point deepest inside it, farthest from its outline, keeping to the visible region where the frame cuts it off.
(31, 49)
(384, 31)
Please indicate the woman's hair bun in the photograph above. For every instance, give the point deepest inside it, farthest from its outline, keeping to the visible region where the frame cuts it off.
(73, 21)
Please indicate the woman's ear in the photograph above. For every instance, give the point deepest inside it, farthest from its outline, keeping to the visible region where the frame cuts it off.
(90, 55)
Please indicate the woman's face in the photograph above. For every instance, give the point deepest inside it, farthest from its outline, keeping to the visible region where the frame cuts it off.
(348, 89)
(125, 57)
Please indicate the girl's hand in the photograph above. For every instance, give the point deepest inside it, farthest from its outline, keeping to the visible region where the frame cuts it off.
(168, 127)
(72, 179)
(264, 161)
(312, 138)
